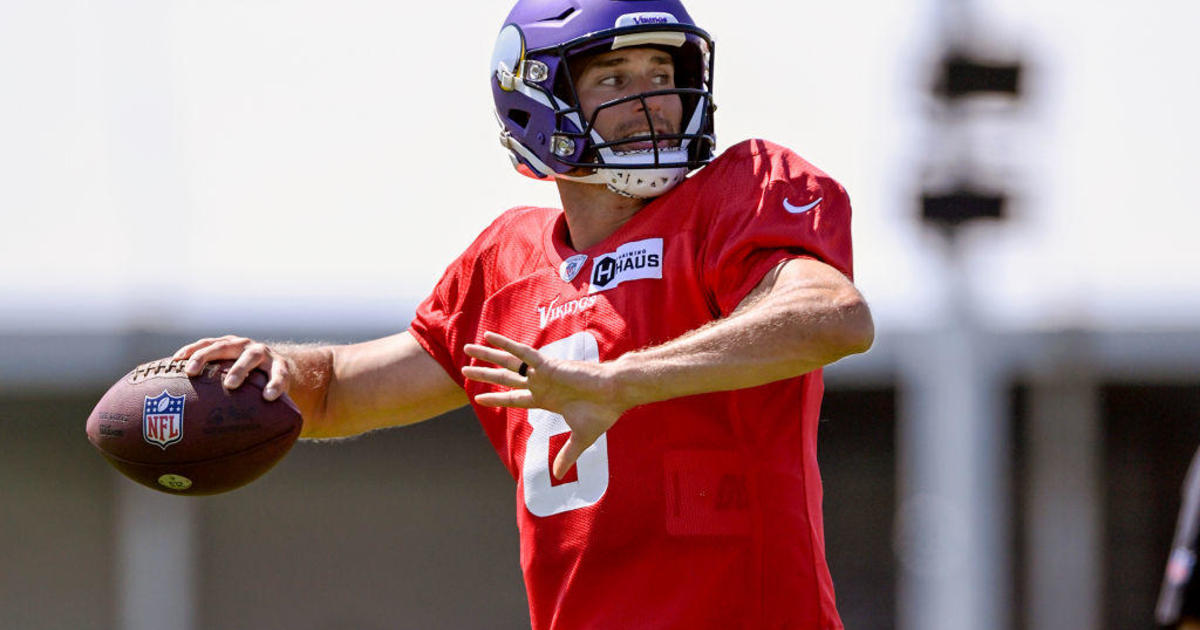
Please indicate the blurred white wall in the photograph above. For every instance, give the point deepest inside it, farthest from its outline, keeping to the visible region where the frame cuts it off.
(216, 164)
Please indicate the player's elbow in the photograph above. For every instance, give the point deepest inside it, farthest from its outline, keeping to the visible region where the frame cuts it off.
(860, 334)
(849, 328)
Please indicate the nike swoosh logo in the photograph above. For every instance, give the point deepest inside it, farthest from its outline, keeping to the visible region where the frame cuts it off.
(800, 209)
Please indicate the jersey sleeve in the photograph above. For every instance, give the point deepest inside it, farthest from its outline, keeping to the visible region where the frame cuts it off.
(769, 205)
(449, 318)
(436, 323)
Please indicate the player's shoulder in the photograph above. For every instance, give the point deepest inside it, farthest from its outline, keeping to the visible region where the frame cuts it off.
(746, 172)
(521, 216)
(752, 149)
(522, 226)
(764, 159)
(512, 244)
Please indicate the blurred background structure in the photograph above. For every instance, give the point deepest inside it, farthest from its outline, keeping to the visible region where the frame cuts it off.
(1008, 456)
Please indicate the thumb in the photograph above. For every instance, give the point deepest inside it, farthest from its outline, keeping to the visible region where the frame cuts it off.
(568, 456)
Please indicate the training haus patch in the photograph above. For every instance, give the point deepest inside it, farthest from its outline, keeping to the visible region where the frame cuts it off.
(638, 260)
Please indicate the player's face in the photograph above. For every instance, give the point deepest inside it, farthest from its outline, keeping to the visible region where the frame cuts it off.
(626, 72)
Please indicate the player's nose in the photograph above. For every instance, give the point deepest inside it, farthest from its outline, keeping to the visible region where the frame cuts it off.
(644, 85)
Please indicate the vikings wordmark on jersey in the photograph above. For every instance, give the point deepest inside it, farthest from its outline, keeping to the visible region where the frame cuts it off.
(554, 311)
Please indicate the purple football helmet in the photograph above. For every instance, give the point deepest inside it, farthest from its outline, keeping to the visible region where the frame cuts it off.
(544, 128)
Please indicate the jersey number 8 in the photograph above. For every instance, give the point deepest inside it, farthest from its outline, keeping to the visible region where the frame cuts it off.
(541, 496)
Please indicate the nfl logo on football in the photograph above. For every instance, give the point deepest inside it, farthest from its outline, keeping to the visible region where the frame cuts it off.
(162, 419)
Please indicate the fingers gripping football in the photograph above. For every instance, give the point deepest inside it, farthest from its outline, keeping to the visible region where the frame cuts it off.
(247, 354)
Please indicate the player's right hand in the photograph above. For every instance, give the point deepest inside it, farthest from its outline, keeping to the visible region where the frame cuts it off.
(247, 354)
(578, 391)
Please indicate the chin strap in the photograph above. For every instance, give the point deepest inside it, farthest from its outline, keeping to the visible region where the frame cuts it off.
(637, 183)
(642, 183)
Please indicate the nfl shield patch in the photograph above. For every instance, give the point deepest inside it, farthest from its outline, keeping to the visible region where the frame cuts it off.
(162, 419)
(571, 266)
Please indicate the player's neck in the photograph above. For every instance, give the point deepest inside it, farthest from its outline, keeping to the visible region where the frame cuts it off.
(594, 212)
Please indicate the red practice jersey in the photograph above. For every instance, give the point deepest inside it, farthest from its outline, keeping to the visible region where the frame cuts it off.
(697, 512)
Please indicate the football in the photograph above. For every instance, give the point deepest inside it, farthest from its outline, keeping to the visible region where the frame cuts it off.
(191, 436)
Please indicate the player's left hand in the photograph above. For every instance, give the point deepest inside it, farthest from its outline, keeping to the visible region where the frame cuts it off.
(582, 392)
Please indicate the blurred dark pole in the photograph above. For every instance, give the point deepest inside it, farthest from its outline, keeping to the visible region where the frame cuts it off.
(961, 77)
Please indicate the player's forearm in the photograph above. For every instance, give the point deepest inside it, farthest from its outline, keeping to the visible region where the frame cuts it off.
(351, 389)
(793, 330)
(327, 388)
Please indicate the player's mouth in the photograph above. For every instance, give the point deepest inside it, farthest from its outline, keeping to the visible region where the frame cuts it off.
(644, 146)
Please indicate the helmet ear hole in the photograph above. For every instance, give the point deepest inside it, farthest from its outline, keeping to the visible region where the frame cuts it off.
(520, 117)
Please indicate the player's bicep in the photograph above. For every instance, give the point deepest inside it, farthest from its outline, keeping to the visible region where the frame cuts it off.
(385, 382)
(834, 313)
(796, 274)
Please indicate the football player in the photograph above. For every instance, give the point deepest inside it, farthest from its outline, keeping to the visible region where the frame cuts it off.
(1179, 598)
(645, 360)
